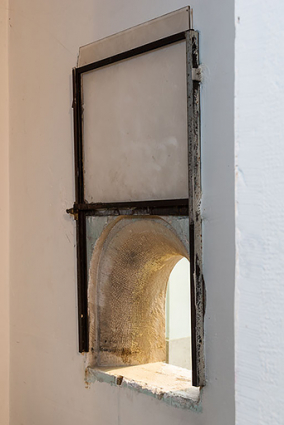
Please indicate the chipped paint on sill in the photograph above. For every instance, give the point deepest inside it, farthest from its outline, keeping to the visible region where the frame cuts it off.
(176, 390)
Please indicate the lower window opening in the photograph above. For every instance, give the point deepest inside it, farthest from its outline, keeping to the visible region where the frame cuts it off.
(139, 306)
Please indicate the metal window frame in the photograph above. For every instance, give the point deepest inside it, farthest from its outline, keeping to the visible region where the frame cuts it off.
(182, 207)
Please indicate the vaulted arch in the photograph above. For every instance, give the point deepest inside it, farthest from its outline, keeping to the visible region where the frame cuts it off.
(129, 270)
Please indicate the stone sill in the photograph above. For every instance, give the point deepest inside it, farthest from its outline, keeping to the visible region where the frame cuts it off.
(168, 383)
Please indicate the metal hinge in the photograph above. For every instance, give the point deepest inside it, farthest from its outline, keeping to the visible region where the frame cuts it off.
(74, 212)
(197, 74)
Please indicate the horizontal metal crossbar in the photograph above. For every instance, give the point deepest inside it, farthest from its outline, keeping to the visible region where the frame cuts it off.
(133, 52)
(155, 207)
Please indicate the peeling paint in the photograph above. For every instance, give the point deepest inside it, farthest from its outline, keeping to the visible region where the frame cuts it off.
(185, 396)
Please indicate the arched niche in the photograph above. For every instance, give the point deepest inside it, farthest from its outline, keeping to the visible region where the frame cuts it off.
(128, 276)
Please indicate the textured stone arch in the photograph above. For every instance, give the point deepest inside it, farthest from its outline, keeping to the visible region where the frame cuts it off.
(129, 270)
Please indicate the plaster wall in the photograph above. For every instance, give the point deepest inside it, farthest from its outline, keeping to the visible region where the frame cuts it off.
(178, 302)
(259, 126)
(4, 217)
(47, 373)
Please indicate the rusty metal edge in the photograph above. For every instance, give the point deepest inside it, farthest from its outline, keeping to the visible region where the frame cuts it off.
(195, 222)
(82, 284)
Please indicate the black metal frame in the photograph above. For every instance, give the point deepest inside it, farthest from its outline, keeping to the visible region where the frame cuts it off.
(181, 207)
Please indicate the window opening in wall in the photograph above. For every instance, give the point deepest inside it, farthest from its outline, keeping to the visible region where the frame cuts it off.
(137, 166)
(130, 262)
(133, 263)
(178, 316)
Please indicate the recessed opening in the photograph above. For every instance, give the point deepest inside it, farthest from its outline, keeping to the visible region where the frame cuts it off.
(178, 316)
(127, 145)
(139, 329)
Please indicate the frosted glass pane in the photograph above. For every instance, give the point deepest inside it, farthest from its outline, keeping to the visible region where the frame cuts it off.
(148, 32)
(135, 128)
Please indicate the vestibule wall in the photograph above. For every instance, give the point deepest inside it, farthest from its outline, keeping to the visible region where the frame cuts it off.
(4, 217)
(259, 125)
(47, 372)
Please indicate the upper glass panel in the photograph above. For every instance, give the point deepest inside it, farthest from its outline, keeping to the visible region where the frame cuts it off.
(135, 128)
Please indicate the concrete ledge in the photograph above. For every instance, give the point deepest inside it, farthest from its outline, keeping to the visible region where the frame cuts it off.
(168, 383)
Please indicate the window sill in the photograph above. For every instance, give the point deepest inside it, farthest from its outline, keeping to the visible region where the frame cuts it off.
(168, 383)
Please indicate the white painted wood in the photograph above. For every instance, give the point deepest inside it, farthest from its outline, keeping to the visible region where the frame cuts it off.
(156, 29)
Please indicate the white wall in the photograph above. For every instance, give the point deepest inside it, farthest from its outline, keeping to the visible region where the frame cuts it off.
(259, 90)
(178, 316)
(4, 217)
(47, 373)
(178, 302)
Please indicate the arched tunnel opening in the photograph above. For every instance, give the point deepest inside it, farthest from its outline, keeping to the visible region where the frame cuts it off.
(139, 295)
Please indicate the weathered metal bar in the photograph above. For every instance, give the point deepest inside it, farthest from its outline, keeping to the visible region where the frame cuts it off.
(197, 282)
(78, 142)
(158, 207)
(133, 52)
(82, 283)
(76, 128)
(174, 211)
(80, 216)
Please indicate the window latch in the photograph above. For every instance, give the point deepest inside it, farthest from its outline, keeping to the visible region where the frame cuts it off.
(197, 74)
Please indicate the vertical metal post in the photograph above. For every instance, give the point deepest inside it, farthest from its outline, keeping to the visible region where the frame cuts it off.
(81, 217)
(195, 225)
